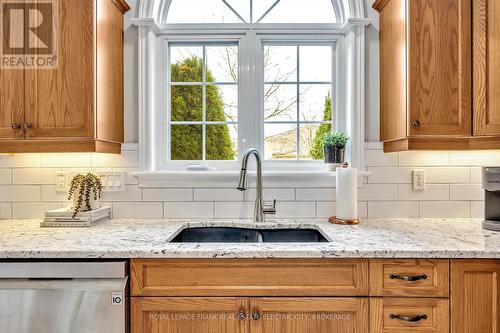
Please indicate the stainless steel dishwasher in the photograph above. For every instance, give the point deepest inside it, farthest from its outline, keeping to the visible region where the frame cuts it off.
(63, 297)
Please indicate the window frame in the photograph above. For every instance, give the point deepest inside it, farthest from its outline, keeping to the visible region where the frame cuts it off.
(251, 104)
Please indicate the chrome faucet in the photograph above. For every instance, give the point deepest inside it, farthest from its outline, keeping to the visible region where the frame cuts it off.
(261, 209)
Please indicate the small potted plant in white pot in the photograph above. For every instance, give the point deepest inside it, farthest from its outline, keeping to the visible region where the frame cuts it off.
(334, 147)
(85, 190)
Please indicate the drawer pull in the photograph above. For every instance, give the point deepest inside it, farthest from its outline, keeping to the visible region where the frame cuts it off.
(242, 315)
(255, 316)
(411, 319)
(408, 277)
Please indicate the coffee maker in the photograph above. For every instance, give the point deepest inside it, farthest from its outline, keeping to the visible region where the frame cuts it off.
(491, 186)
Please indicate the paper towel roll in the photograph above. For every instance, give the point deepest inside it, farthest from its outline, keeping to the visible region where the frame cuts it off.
(347, 193)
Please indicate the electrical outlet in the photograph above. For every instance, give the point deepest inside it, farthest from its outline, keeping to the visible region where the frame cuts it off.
(418, 180)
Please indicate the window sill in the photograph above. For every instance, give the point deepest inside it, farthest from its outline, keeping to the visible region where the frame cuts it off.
(317, 178)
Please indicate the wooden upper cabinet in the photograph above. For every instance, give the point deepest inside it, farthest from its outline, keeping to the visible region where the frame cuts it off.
(393, 77)
(59, 101)
(437, 88)
(439, 69)
(486, 64)
(11, 103)
(475, 296)
(77, 105)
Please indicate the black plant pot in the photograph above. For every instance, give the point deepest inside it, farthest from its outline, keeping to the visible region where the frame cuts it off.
(334, 154)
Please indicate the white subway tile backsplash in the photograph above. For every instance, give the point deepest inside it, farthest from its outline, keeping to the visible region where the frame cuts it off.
(143, 210)
(67, 160)
(221, 194)
(131, 193)
(32, 210)
(475, 175)
(466, 192)
(49, 194)
(20, 161)
(475, 158)
(424, 158)
(316, 194)
(127, 159)
(280, 194)
(390, 175)
(477, 209)
(237, 210)
(445, 209)
(374, 145)
(379, 158)
(431, 192)
(5, 177)
(5, 211)
(393, 209)
(295, 209)
(447, 175)
(19, 193)
(168, 194)
(378, 192)
(326, 209)
(185, 210)
(31, 176)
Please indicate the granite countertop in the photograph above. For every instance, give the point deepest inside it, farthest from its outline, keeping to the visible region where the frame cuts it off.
(373, 238)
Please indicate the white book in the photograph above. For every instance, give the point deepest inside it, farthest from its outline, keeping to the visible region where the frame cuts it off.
(69, 224)
(67, 212)
(76, 218)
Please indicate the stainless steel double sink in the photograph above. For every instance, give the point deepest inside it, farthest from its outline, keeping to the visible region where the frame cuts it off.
(247, 235)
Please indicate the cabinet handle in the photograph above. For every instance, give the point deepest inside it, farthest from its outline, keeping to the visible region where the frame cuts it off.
(255, 316)
(242, 315)
(409, 278)
(16, 126)
(27, 126)
(411, 319)
(416, 124)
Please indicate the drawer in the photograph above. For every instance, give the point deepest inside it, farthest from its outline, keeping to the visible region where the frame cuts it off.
(397, 315)
(249, 277)
(409, 277)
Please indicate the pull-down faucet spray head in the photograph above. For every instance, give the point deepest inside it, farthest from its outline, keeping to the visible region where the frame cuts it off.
(242, 182)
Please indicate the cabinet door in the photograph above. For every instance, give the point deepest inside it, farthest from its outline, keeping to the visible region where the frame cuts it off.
(59, 101)
(393, 117)
(439, 67)
(308, 315)
(475, 296)
(11, 102)
(486, 62)
(188, 315)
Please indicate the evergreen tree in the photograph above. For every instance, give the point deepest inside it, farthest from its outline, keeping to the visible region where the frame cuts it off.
(317, 147)
(186, 105)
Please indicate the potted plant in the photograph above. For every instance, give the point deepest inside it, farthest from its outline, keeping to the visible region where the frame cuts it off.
(334, 147)
(85, 190)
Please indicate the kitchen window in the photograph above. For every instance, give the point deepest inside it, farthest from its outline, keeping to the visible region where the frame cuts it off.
(228, 75)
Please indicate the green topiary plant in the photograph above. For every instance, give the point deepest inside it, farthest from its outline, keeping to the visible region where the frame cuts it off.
(88, 186)
(337, 139)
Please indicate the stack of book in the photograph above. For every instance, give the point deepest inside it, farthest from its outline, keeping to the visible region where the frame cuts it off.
(63, 217)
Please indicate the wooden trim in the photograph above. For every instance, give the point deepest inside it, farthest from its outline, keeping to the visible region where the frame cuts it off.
(122, 5)
(436, 283)
(443, 143)
(249, 277)
(380, 4)
(62, 145)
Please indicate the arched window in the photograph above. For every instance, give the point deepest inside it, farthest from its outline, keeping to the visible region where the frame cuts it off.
(249, 11)
(217, 77)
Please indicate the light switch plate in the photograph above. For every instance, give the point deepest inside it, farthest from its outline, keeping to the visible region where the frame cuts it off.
(112, 180)
(418, 180)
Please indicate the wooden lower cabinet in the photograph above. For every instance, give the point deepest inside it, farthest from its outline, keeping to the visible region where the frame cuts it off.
(188, 315)
(249, 315)
(475, 296)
